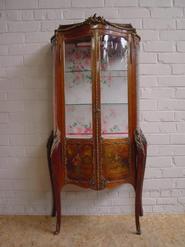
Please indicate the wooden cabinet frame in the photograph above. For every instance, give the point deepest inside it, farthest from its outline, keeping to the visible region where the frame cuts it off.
(95, 155)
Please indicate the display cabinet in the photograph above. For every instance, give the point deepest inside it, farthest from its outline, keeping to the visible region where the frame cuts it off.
(95, 142)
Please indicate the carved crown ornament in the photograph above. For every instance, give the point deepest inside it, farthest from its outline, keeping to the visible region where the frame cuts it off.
(94, 20)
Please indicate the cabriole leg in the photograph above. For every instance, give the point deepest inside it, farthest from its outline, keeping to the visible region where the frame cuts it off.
(58, 181)
(56, 175)
(57, 200)
(141, 151)
(49, 145)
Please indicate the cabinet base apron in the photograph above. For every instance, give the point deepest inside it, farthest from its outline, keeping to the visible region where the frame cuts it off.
(58, 177)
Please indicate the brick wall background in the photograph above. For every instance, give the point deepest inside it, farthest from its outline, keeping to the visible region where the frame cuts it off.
(25, 104)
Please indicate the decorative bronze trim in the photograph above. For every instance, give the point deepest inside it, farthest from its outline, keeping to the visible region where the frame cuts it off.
(102, 183)
(140, 140)
(94, 20)
(55, 141)
(92, 182)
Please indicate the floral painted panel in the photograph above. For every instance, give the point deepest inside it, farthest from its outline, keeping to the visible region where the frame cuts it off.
(78, 56)
(78, 89)
(114, 90)
(115, 163)
(79, 160)
(114, 120)
(78, 75)
(78, 121)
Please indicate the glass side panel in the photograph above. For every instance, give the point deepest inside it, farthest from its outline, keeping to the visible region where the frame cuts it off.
(114, 87)
(78, 88)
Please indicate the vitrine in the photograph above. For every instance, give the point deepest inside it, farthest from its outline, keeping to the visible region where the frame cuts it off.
(95, 142)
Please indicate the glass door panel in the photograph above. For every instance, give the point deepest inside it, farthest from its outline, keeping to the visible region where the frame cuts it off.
(78, 88)
(114, 87)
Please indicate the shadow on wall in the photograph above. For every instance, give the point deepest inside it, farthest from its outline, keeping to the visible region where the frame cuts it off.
(29, 105)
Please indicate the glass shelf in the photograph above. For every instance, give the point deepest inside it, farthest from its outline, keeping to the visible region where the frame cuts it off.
(107, 103)
(72, 71)
(114, 135)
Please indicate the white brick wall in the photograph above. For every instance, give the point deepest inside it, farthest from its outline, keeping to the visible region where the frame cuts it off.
(25, 110)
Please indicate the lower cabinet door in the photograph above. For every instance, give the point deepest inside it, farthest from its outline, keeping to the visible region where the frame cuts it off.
(79, 160)
(115, 156)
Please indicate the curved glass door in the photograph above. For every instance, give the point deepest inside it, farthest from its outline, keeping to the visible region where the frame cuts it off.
(78, 88)
(114, 87)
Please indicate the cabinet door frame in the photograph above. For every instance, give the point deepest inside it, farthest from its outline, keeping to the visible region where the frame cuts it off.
(66, 141)
(132, 110)
(95, 34)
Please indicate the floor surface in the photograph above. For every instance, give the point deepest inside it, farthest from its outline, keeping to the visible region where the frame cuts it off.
(92, 231)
